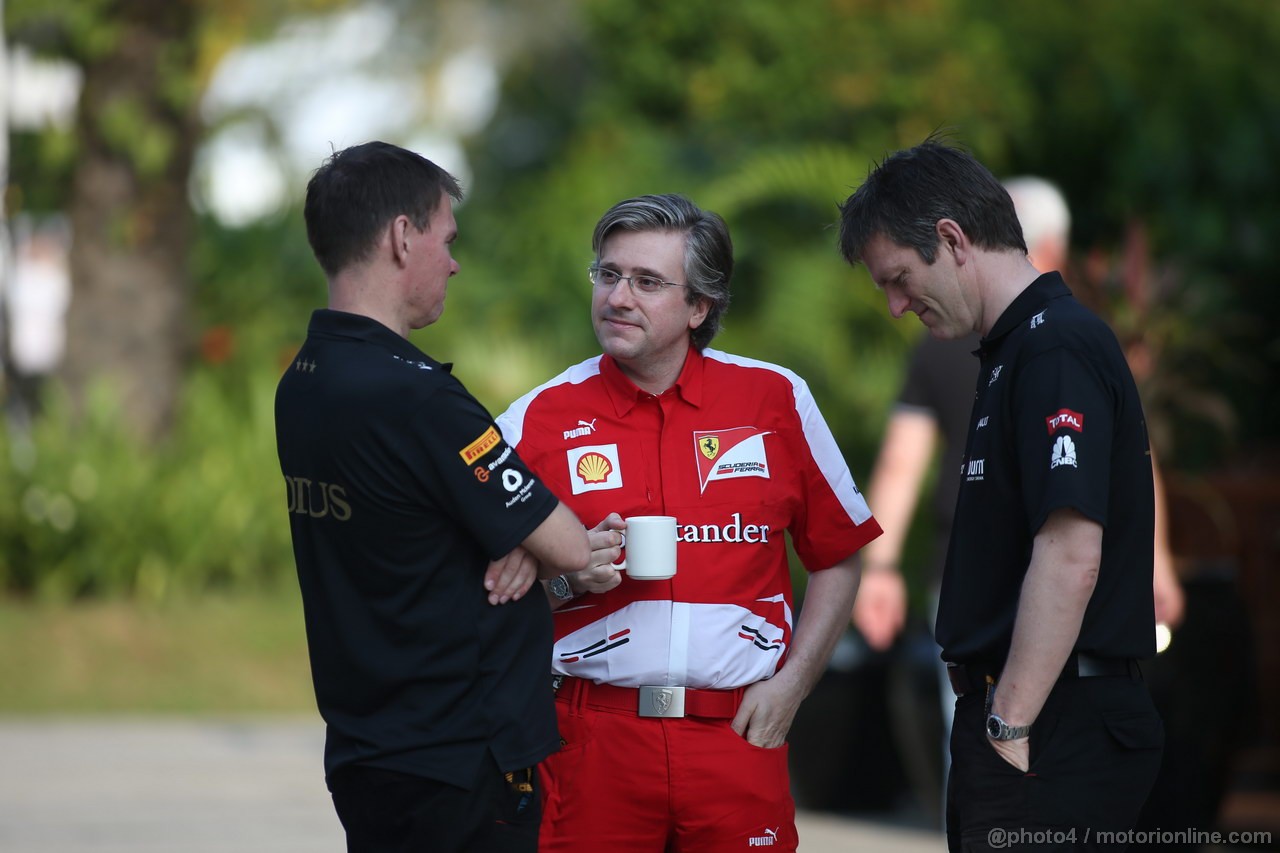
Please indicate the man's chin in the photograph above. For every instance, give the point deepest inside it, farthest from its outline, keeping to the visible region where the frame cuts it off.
(617, 350)
(614, 344)
(942, 331)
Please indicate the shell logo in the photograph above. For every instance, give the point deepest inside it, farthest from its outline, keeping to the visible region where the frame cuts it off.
(594, 468)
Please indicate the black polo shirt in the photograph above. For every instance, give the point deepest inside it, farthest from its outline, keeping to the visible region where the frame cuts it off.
(400, 490)
(1056, 423)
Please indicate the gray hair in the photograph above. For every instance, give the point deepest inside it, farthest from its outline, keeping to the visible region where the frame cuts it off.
(708, 251)
(1041, 209)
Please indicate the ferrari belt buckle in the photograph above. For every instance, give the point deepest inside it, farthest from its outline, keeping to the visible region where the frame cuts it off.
(665, 702)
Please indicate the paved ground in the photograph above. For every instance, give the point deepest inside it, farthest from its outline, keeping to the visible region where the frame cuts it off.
(122, 785)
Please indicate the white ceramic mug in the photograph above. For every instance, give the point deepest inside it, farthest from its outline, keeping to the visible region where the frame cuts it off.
(650, 543)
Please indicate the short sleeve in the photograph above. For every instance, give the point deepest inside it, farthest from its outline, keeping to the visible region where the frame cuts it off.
(476, 475)
(832, 519)
(1063, 410)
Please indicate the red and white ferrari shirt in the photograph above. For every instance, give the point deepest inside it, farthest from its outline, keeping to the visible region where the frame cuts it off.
(738, 452)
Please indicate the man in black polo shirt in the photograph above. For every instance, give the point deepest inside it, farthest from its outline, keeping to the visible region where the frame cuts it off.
(429, 662)
(1041, 617)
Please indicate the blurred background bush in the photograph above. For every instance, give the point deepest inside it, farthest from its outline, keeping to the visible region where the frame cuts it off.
(143, 461)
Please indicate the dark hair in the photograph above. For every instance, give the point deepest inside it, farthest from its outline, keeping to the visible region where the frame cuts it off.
(708, 250)
(906, 195)
(359, 190)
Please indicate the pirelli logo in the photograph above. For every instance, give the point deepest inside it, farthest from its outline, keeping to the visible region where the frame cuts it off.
(482, 445)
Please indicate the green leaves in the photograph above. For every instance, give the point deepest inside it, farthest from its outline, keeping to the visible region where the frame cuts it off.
(86, 509)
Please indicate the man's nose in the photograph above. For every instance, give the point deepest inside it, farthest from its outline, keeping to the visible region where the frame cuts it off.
(898, 303)
(621, 293)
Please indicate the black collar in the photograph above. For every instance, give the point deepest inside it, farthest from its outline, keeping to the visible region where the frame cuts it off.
(357, 327)
(1030, 301)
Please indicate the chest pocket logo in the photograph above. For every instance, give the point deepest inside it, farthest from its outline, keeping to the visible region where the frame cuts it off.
(594, 468)
(727, 454)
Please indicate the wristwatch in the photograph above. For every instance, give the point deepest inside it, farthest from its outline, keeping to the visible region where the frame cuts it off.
(560, 588)
(998, 729)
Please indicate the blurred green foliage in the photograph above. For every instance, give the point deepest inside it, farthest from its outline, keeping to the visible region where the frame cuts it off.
(1156, 119)
(1151, 116)
(86, 510)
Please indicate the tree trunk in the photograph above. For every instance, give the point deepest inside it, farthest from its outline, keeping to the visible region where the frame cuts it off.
(127, 324)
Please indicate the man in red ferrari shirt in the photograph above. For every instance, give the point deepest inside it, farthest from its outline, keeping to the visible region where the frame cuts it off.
(737, 451)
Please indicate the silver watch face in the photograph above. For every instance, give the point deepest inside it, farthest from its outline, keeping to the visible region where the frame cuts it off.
(560, 588)
(998, 729)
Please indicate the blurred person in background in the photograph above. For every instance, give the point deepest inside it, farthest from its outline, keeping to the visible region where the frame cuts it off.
(737, 451)
(1041, 618)
(429, 662)
(35, 306)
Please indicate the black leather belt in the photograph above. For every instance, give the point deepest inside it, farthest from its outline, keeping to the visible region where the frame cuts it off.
(974, 677)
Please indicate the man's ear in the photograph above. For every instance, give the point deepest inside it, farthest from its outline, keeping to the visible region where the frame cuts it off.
(952, 239)
(700, 313)
(399, 236)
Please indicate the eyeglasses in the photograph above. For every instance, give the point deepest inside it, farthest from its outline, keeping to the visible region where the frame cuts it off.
(639, 284)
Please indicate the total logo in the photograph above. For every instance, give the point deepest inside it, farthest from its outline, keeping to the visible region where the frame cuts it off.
(769, 839)
(1065, 418)
(974, 470)
(594, 468)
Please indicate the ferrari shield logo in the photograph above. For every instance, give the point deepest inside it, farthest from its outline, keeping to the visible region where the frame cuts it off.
(725, 454)
(661, 701)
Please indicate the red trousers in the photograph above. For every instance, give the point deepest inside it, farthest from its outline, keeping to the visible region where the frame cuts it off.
(628, 784)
